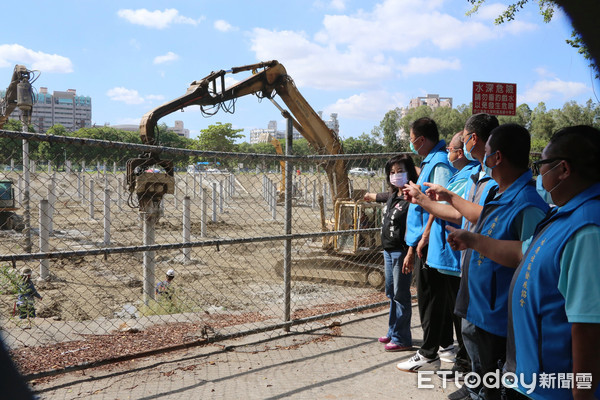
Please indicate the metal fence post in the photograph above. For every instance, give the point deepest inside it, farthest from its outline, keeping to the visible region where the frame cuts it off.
(149, 222)
(92, 199)
(26, 205)
(187, 227)
(274, 200)
(203, 213)
(44, 238)
(214, 202)
(287, 258)
(221, 196)
(107, 217)
(51, 201)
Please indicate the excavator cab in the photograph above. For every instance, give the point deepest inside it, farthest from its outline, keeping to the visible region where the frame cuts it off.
(7, 196)
(8, 218)
(352, 214)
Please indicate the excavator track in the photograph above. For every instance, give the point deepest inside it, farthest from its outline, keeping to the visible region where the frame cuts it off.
(338, 270)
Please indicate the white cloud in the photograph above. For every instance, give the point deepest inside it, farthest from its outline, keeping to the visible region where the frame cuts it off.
(156, 19)
(366, 105)
(127, 96)
(338, 5)
(170, 56)
(223, 26)
(546, 90)
(313, 65)
(11, 54)
(359, 49)
(428, 65)
(489, 12)
(543, 72)
(157, 97)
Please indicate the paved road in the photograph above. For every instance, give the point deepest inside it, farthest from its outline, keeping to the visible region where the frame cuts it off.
(340, 361)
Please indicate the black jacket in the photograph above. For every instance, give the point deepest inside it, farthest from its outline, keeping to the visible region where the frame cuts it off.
(393, 224)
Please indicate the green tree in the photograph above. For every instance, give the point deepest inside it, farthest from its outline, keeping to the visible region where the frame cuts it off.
(219, 137)
(389, 128)
(522, 117)
(449, 121)
(574, 114)
(13, 148)
(542, 123)
(362, 145)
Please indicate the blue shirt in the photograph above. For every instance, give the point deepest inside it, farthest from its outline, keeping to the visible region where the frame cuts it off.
(417, 216)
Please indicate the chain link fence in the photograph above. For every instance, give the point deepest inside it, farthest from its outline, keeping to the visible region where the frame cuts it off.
(252, 249)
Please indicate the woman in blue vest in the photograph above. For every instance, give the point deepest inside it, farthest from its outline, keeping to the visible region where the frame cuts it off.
(399, 170)
(553, 344)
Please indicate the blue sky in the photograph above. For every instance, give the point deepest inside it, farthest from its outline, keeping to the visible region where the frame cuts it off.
(355, 58)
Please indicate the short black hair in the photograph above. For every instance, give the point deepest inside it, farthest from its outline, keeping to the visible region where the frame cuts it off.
(426, 127)
(580, 146)
(482, 125)
(409, 165)
(513, 141)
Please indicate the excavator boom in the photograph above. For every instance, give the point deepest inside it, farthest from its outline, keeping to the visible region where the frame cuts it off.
(268, 79)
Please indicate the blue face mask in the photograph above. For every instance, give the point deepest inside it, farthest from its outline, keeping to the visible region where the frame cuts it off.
(539, 187)
(412, 146)
(467, 152)
(488, 170)
(544, 194)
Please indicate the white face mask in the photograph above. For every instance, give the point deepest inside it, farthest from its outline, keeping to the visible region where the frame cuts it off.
(399, 180)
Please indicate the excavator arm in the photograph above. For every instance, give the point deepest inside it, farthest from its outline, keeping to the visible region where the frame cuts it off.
(267, 80)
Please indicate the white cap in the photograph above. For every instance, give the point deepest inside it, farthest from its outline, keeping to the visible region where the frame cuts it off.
(171, 273)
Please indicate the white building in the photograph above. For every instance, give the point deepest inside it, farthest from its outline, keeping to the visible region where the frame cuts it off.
(64, 108)
(263, 135)
(178, 128)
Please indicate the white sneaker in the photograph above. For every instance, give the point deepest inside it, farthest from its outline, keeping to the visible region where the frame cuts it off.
(447, 354)
(418, 362)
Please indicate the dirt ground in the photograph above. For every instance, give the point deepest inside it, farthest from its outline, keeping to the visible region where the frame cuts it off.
(239, 278)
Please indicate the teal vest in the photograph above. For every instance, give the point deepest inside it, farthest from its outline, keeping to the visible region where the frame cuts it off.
(486, 297)
(417, 217)
(539, 335)
(440, 255)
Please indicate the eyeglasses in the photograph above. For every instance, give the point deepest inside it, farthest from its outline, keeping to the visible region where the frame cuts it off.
(468, 137)
(452, 149)
(413, 141)
(535, 167)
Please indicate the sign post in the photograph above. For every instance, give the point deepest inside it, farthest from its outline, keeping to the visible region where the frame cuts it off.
(494, 98)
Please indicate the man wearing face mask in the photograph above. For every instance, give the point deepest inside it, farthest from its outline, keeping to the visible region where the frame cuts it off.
(461, 209)
(554, 311)
(511, 212)
(447, 261)
(435, 167)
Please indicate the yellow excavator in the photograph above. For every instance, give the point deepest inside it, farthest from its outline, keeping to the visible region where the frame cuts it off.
(279, 151)
(354, 258)
(19, 93)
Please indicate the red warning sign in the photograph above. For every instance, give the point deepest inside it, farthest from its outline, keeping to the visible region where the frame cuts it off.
(494, 98)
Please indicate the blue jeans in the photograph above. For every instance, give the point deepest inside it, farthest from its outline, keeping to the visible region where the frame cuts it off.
(397, 289)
